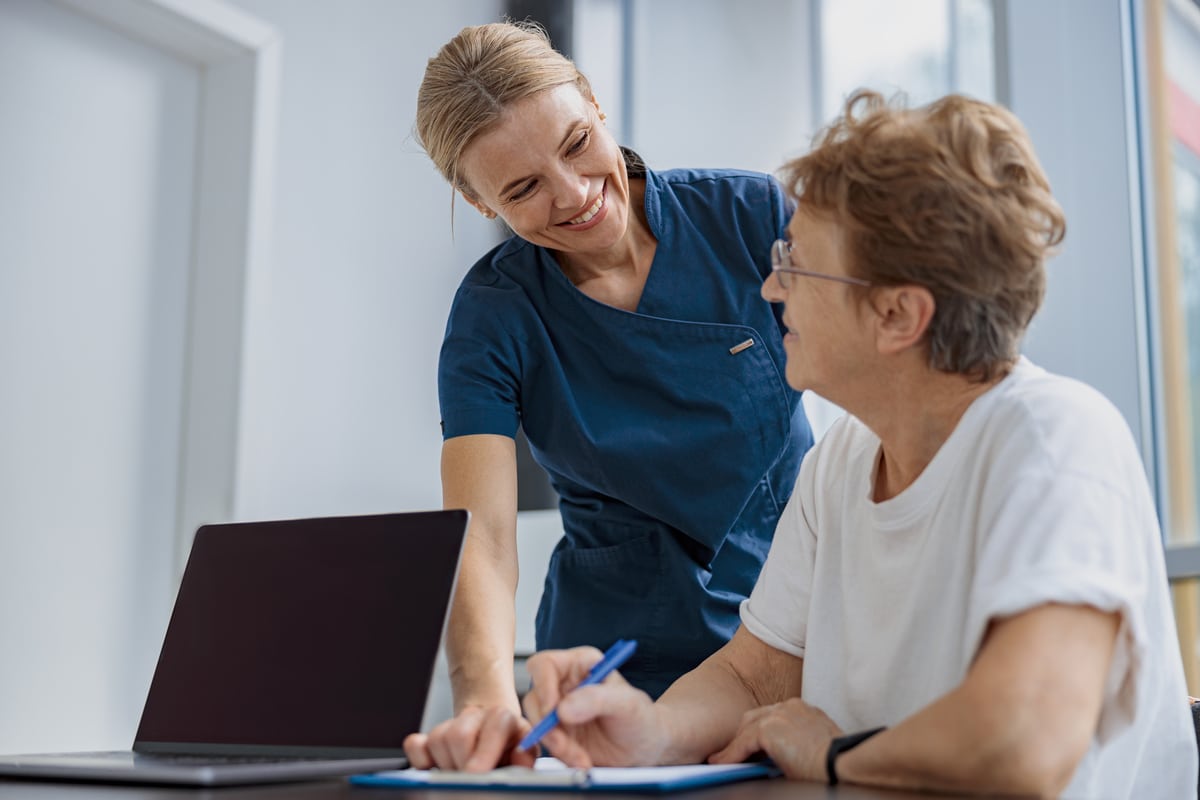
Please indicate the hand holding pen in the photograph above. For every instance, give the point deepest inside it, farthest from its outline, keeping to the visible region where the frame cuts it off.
(586, 720)
(617, 655)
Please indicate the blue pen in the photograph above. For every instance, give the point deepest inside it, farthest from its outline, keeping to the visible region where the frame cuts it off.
(617, 655)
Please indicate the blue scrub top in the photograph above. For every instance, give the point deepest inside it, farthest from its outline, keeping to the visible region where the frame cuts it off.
(672, 444)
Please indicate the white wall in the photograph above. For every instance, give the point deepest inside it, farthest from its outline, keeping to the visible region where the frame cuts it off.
(340, 402)
(1070, 85)
(339, 405)
(97, 143)
(339, 409)
(722, 84)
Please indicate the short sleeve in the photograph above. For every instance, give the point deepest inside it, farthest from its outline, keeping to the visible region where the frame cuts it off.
(479, 366)
(777, 610)
(1075, 540)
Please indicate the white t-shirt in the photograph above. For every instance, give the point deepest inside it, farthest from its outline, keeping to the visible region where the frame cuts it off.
(1037, 496)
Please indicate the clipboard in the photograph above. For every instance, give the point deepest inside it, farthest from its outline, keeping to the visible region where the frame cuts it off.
(550, 774)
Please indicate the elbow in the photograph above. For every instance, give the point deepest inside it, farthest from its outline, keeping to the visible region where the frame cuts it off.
(1038, 771)
(1028, 757)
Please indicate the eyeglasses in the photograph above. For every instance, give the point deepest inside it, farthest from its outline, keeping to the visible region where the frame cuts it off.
(781, 265)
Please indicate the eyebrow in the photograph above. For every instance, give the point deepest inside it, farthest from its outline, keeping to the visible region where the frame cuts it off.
(574, 126)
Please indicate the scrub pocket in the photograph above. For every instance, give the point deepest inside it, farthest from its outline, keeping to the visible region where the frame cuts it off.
(596, 595)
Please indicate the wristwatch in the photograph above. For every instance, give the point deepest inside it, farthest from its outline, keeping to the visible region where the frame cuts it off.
(840, 745)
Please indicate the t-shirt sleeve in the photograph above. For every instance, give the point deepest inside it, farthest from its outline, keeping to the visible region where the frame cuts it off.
(479, 367)
(1075, 540)
(777, 610)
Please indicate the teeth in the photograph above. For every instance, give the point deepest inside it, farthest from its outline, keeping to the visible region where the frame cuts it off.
(591, 212)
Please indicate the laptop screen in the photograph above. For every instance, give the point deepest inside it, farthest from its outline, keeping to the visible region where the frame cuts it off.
(304, 636)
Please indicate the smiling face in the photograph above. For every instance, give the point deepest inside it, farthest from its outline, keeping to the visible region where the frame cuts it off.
(828, 339)
(553, 172)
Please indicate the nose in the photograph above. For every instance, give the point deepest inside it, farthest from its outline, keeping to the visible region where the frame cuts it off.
(772, 291)
(571, 190)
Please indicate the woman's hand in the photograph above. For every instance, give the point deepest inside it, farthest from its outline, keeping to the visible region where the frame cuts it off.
(794, 734)
(476, 740)
(606, 724)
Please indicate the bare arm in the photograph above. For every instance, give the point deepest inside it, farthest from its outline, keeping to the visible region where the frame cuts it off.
(1020, 722)
(479, 473)
(703, 709)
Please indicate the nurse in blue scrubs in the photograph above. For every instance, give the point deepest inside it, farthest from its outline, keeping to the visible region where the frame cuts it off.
(622, 326)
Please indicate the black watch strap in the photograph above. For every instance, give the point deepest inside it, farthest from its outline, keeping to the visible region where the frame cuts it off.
(840, 745)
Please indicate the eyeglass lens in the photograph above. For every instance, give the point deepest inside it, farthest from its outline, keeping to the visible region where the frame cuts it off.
(780, 260)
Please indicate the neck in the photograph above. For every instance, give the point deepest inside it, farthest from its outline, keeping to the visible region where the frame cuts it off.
(913, 416)
(629, 257)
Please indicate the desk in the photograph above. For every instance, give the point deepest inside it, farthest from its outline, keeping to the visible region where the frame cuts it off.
(777, 789)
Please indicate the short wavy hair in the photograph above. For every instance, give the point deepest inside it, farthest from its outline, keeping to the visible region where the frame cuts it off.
(948, 196)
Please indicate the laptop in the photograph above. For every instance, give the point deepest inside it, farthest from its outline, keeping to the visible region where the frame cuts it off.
(297, 649)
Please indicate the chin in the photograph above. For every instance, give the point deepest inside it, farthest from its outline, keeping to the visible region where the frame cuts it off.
(606, 236)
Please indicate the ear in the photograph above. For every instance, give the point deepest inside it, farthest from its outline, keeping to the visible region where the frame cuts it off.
(903, 316)
(478, 206)
(596, 105)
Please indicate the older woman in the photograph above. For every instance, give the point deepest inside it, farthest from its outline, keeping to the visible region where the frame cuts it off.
(622, 328)
(967, 590)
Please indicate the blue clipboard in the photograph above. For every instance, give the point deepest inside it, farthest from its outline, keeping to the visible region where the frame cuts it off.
(552, 775)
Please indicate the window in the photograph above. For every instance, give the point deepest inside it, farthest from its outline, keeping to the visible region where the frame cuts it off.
(923, 48)
(1170, 58)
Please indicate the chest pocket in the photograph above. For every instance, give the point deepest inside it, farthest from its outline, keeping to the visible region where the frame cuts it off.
(661, 415)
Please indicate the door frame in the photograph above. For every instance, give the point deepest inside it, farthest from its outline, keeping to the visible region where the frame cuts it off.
(239, 61)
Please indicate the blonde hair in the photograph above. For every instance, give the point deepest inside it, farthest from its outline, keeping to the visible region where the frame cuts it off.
(475, 77)
(949, 196)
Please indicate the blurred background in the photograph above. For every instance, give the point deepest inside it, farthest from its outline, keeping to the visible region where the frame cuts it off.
(225, 264)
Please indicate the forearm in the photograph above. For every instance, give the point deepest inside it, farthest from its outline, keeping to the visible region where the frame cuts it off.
(1019, 724)
(703, 710)
(479, 473)
(964, 743)
(480, 636)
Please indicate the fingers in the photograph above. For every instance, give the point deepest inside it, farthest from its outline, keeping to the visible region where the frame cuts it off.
(605, 723)
(748, 739)
(498, 734)
(534, 707)
(577, 709)
(613, 697)
(554, 673)
(416, 747)
(744, 744)
(476, 740)
(794, 734)
(567, 749)
(522, 758)
(457, 738)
